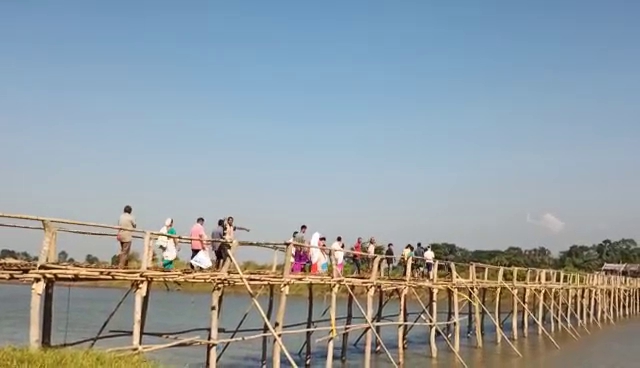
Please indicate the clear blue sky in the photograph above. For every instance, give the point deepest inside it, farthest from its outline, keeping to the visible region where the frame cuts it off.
(411, 121)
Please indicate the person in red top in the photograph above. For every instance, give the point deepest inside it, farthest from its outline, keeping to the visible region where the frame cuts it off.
(357, 247)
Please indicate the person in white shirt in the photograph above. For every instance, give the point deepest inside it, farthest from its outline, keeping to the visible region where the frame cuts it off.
(429, 257)
(338, 257)
(371, 251)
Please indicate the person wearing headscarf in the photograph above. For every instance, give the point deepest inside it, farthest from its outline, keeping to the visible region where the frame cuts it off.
(315, 253)
(168, 244)
(323, 261)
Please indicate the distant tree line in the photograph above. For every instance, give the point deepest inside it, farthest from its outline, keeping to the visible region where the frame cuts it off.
(586, 258)
(63, 257)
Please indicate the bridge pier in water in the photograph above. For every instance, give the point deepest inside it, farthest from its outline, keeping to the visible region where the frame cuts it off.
(514, 302)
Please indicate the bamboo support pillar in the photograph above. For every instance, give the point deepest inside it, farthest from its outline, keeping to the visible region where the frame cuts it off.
(560, 300)
(449, 310)
(484, 300)
(525, 317)
(37, 288)
(345, 334)
(592, 300)
(265, 328)
(570, 298)
(379, 317)
(402, 327)
(140, 296)
(307, 357)
(456, 310)
(477, 309)
(282, 304)
(434, 320)
(470, 316)
(371, 289)
(552, 314)
(47, 308)
(332, 315)
(497, 304)
(274, 266)
(514, 306)
(542, 281)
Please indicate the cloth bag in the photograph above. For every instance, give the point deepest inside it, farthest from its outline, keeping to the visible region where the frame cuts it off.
(202, 260)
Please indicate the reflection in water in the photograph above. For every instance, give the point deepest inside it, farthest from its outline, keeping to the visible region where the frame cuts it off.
(612, 346)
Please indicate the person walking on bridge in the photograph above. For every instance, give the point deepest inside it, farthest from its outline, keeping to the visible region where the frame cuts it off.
(126, 223)
(198, 239)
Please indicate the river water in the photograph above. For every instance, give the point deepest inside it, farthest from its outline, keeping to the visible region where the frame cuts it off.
(79, 312)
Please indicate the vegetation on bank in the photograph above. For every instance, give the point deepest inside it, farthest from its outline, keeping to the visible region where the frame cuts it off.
(11, 357)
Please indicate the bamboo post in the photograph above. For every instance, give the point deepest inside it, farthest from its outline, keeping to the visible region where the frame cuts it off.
(381, 305)
(47, 310)
(345, 334)
(140, 293)
(369, 313)
(402, 328)
(578, 302)
(525, 317)
(368, 336)
(282, 304)
(450, 293)
(212, 349)
(552, 296)
(332, 314)
(470, 314)
(265, 328)
(542, 276)
(497, 304)
(434, 320)
(592, 301)
(307, 357)
(37, 288)
(514, 305)
(569, 301)
(456, 310)
(477, 310)
(274, 266)
(484, 300)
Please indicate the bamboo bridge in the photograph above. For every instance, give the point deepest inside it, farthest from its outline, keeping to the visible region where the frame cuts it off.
(539, 301)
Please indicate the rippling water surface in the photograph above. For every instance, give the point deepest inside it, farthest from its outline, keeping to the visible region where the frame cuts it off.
(79, 313)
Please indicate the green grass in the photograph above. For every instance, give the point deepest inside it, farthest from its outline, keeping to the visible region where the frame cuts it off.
(59, 358)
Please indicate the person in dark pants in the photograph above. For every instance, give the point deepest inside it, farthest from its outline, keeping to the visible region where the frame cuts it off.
(217, 247)
(390, 258)
(357, 247)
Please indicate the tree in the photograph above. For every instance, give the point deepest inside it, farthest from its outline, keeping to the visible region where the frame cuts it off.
(63, 257)
(8, 253)
(91, 259)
